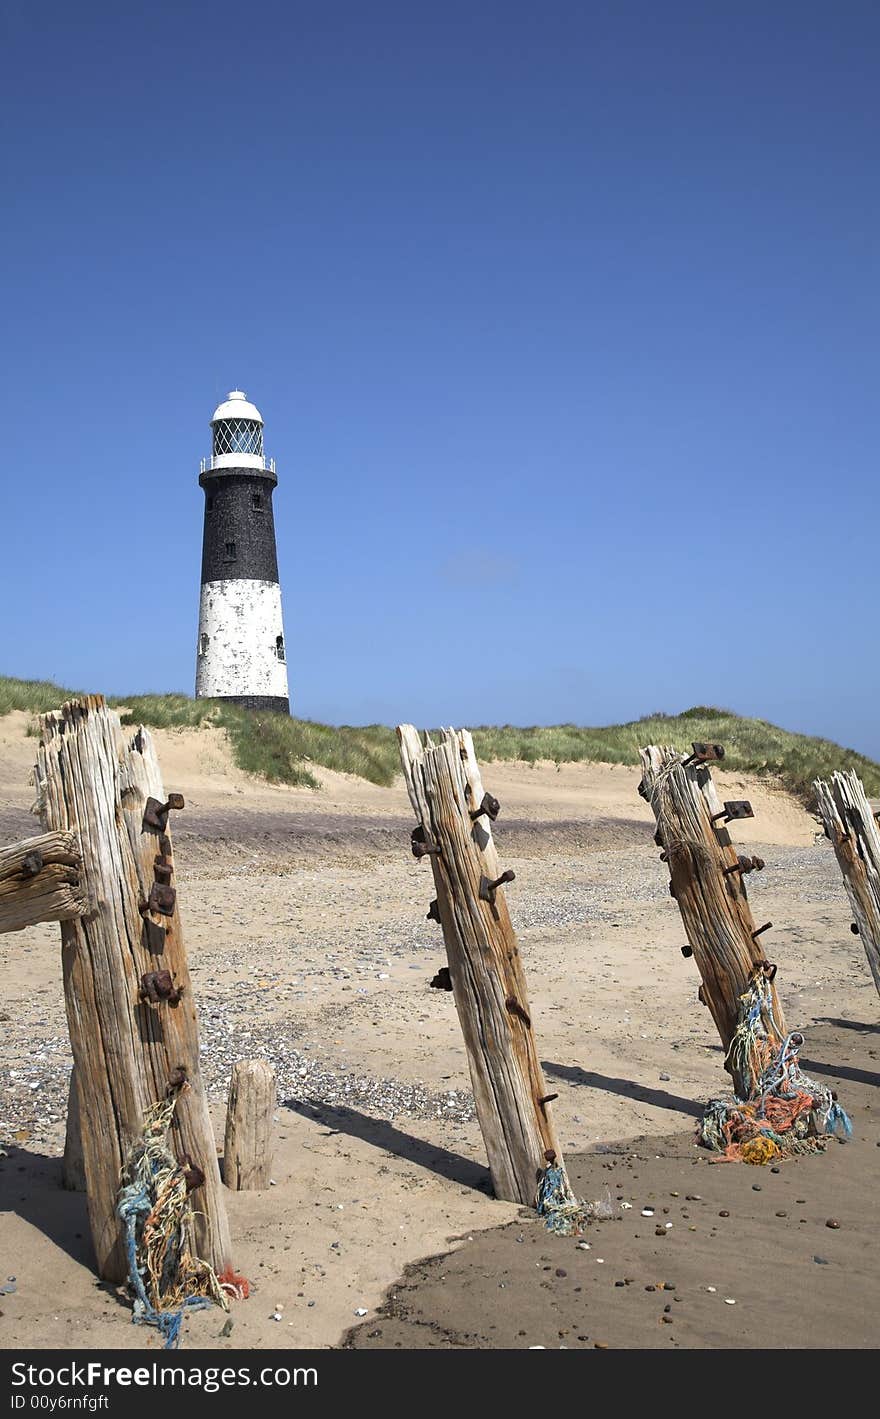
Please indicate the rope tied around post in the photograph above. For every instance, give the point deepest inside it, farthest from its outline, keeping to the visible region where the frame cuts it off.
(153, 1203)
(785, 1111)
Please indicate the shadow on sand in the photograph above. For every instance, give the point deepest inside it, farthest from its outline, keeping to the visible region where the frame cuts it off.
(342, 1119)
(30, 1186)
(626, 1088)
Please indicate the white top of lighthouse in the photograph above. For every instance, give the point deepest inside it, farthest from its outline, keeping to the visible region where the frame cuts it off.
(237, 433)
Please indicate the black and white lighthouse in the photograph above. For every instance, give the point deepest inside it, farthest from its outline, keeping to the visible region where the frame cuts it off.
(241, 654)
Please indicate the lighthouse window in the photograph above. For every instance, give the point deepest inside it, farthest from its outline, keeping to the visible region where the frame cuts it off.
(238, 436)
(257, 501)
(230, 551)
(203, 644)
(279, 647)
(210, 505)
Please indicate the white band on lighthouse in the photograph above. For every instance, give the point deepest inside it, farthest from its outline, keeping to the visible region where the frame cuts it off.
(241, 640)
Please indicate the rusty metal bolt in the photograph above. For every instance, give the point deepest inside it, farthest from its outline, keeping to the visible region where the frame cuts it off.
(32, 863)
(761, 929)
(488, 889)
(156, 813)
(488, 805)
(421, 847)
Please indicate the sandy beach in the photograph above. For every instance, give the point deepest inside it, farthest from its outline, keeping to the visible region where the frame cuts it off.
(304, 915)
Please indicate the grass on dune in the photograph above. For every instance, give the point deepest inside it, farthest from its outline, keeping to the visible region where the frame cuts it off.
(285, 750)
(750, 745)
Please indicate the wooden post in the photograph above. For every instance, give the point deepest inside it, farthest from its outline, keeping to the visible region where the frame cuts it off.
(40, 881)
(247, 1154)
(129, 1033)
(852, 827)
(713, 903)
(73, 1173)
(485, 967)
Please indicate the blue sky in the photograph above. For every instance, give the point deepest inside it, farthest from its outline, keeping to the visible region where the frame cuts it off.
(562, 319)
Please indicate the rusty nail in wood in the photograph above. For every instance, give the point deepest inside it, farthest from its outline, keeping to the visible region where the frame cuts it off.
(854, 928)
(761, 929)
(156, 813)
(32, 863)
(488, 889)
(515, 1008)
(176, 1079)
(161, 901)
(687, 951)
(770, 968)
(548, 1099)
(704, 754)
(735, 808)
(420, 845)
(192, 1173)
(162, 870)
(550, 1156)
(159, 985)
(745, 864)
(488, 805)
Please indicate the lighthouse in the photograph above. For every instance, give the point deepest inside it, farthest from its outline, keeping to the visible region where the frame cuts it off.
(240, 654)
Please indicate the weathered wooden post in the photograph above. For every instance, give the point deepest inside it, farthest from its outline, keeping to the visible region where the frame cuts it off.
(73, 1172)
(130, 1009)
(850, 824)
(247, 1153)
(707, 881)
(488, 982)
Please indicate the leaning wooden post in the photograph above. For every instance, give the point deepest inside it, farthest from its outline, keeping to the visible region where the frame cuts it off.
(488, 981)
(850, 824)
(247, 1153)
(130, 1007)
(707, 881)
(73, 1173)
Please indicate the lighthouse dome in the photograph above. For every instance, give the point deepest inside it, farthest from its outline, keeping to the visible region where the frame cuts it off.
(237, 429)
(236, 405)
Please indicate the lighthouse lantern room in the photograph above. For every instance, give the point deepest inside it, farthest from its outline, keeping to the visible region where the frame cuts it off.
(240, 654)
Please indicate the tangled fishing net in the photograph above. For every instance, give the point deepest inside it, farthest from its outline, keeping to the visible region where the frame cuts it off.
(561, 1210)
(153, 1203)
(786, 1112)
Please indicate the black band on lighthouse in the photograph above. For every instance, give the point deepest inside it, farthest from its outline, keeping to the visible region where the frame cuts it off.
(239, 536)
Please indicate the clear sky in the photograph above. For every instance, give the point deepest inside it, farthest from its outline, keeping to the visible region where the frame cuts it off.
(562, 317)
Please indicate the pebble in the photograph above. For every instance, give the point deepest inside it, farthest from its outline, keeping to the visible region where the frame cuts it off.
(729, 1301)
(361, 1311)
(833, 1224)
(712, 1289)
(782, 1214)
(560, 1271)
(647, 1212)
(723, 1213)
(667, 1320)
(820, 1260)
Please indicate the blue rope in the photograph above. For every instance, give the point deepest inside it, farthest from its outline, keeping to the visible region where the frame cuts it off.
(134, 1207)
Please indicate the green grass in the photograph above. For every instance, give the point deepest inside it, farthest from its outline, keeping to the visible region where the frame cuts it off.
(751, 745)
(285, 750)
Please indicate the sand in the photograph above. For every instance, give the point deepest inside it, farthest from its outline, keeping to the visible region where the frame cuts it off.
(304, 915)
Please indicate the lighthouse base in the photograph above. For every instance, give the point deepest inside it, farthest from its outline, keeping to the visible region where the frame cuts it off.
(275, 704)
